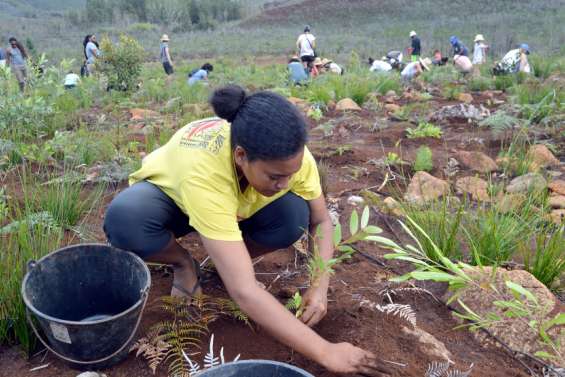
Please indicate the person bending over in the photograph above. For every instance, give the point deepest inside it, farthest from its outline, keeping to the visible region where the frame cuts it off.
(248, 185)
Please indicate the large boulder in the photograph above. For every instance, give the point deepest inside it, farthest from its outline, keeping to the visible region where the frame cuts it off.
(526, 183)
(541, 157)
(424, 188)
(515, 332)
(347, 104)
(477, 161)
(476, 187)
(557, 186)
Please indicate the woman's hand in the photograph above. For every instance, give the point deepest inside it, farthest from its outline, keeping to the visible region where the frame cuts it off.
(346, 358)
(314, 305)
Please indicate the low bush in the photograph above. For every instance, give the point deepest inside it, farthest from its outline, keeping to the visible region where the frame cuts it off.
(424, 129)
(423, 160)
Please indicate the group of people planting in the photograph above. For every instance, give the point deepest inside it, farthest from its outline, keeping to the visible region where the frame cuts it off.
(247, 184)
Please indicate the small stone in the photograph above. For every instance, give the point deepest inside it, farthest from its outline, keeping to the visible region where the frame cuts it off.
(526, 183)
(92, 374)
(393, 206)
(424, 188)
(510, 202)
(541, 157)
(392, 107)
(390, 93)
(142, 114)
(347, 104)
(355, 200)
(557, 186)
(465, 97)
(558, 216)
(557, 201)
(477, 187)
(477, 161)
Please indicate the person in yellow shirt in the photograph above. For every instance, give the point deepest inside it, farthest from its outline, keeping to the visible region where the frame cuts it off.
(247, 183)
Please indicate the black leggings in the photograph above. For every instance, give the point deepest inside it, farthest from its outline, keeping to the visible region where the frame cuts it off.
(143, 219)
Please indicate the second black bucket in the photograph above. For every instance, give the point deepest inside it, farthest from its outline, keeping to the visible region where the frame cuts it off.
(88, 300)
(255, 368)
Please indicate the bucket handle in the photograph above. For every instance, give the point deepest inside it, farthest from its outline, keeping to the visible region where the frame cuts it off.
(130, 338)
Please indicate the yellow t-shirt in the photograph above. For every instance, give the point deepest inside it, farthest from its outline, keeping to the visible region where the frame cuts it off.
(196, 169)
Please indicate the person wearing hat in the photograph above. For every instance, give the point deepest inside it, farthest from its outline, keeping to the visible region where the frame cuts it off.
(414, 69)
(480, 50)
(514, 61)
(416, 47)
(298, 74)
(330, 66)
(380, 65)
(458, 47)
(306, 45)
(165, 55)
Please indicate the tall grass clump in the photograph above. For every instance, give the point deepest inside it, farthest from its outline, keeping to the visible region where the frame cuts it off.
(547, 261)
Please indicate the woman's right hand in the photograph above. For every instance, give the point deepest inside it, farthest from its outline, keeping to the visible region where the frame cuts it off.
(346, 358)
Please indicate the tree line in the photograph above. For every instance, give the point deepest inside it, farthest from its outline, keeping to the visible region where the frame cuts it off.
(179, 15)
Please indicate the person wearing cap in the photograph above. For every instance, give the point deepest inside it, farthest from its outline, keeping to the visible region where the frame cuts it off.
(306, 45)
(379, 65)
(514, 61)
(416, 47)
(480, 50)
(165, 55)
(414, 69)
(458, 47)
(298, 74)
(463, 64)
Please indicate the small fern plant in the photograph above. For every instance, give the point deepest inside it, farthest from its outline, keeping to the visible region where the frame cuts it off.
(210, 360)
(424, 129)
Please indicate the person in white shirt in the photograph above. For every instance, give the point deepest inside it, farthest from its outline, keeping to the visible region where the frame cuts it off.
(379, 65)
(414, 69)
(463, 63)
(71, 80)
(480, 50)
(306, 45)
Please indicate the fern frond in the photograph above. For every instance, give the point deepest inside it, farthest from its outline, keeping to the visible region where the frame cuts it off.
(194, 366)
(436, 369)
(402, 311)
(210, 360)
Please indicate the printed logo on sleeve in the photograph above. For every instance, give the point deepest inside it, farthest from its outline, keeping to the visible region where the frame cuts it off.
(207, 134)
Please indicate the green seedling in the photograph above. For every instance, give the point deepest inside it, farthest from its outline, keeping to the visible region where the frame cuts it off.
(424, 129)
(294, 304)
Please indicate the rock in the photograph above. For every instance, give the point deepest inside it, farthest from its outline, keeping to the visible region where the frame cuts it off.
(541, 157)
(465, 97)
(558, 216)
(452, 167)
(92, 374)
(331, 104)
(392, 107)
(429, 343)
(393, 206)
(347, 104)
(355, 200)
(477, 187)
(510, 202)
(515, 332)
(477, 161)
(526, 183)
(557, 186)
(461, 111)
(143, 114)
(390, 93)
(557, 201)
(424, 188)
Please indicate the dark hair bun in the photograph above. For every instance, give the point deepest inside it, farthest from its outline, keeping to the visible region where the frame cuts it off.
(226, 101)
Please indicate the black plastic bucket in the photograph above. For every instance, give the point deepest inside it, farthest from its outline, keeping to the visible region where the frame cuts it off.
(255, 368)
(88, 300)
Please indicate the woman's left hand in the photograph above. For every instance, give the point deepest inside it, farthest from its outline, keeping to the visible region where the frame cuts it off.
(315, 305)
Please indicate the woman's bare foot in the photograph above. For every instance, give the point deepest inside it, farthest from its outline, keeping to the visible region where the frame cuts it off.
(186, 282)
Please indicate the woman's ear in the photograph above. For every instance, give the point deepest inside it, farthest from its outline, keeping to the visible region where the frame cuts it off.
(240, 156)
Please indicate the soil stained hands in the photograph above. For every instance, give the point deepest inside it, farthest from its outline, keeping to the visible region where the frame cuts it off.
(346, 358)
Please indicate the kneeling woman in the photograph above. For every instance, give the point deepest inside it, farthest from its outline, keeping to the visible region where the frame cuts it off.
(248, 185)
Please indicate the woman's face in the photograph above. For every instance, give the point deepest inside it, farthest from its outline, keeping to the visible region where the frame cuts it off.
(93, 38)
(268, 177)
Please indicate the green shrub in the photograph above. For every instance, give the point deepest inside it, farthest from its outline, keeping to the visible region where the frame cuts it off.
(451, 92)
(543, 66)
(479, 84)
(424, 129)
(547, 261)
(121, 62)
(504, 82)
(423, 160)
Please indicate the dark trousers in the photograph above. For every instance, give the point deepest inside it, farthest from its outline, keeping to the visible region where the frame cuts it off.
(143, 219)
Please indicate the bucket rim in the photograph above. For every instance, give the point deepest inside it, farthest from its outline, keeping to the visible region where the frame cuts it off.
(261, 361)
(139, 302)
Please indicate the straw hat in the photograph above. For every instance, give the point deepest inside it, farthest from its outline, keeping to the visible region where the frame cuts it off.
(165, 38)
(326, 61)
(426, 63)
(318, 61)
(413, 33)
(479, 38)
